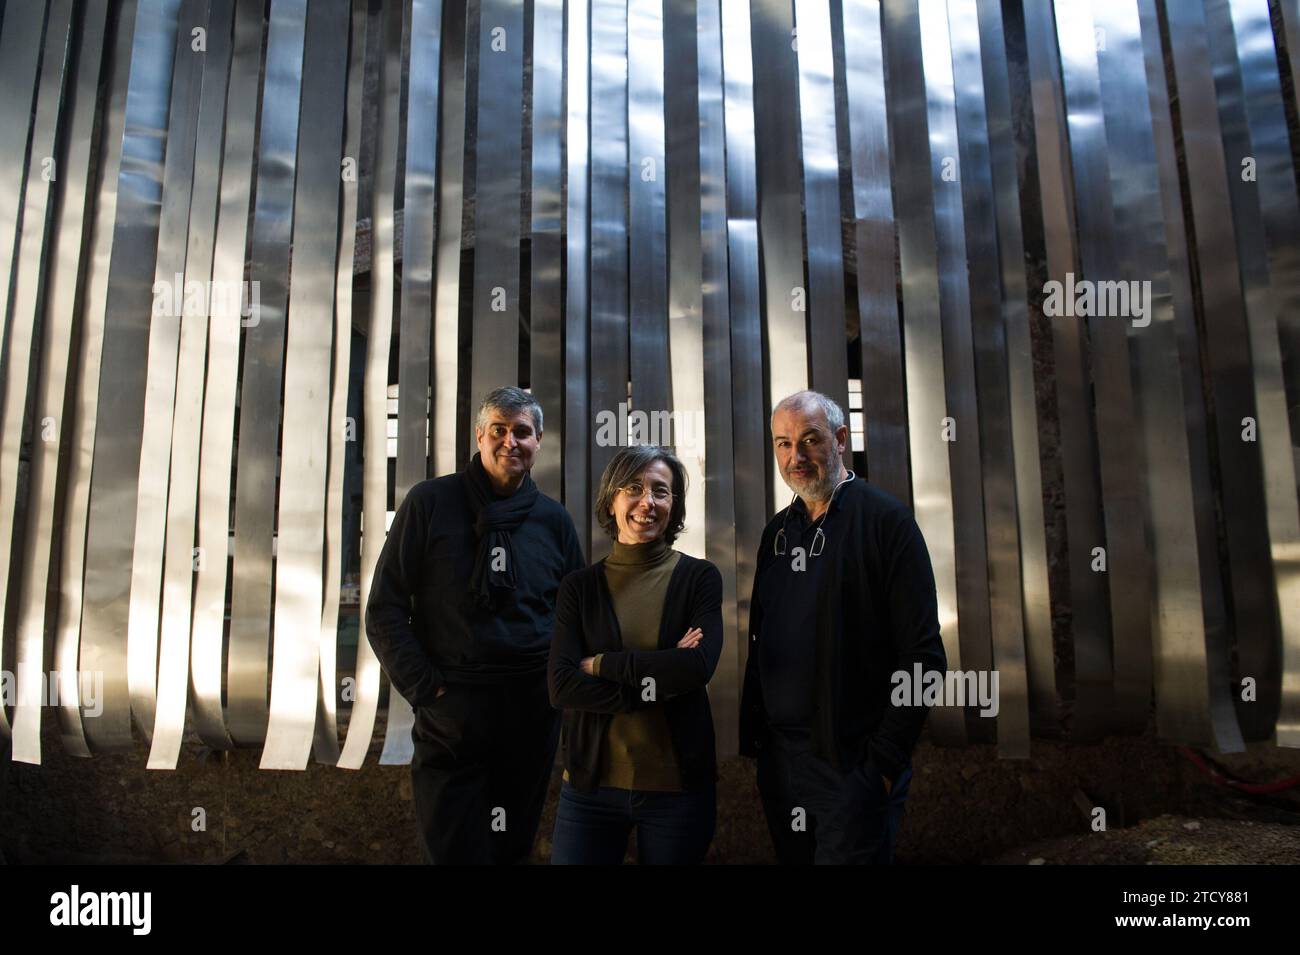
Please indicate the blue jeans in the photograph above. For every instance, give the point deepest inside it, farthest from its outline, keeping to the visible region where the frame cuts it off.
(671, 828)
(817, 814)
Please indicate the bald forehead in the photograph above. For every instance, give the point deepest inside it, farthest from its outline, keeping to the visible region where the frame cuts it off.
(797, 419)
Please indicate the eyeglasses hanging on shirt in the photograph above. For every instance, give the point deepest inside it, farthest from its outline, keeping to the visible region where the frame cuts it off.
(819, 539)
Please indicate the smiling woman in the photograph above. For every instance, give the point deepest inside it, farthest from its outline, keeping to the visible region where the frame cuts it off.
(637, 638)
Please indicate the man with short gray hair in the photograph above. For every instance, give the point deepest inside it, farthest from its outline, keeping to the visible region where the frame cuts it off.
(460, 616)
(844, 597)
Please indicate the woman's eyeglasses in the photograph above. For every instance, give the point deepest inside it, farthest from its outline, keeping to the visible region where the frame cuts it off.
(636, 490)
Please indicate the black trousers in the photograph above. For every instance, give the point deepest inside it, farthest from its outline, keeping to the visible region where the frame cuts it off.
(482, 764)
(817, 814)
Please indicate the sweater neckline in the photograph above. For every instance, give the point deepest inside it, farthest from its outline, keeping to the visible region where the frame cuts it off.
(652, 552)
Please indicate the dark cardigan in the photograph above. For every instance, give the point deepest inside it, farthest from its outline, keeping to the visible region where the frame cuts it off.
(585, 625)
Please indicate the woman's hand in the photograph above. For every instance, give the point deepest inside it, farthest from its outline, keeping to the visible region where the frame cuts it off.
(587, 665)
(691, 640)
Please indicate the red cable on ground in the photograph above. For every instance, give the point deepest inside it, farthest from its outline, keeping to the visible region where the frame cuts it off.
(1276, 787)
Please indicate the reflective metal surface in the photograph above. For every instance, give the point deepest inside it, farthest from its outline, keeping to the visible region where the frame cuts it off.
(120, 406)
(262, 380)
(54, 96)
(577, 224)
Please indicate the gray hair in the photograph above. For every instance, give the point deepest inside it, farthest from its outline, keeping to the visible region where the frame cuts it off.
(803, 400)
(509, 401)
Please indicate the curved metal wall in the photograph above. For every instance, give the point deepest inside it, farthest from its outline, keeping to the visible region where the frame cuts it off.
(968, 215)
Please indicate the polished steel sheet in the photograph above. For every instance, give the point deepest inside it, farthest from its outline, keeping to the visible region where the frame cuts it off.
(610, 168)
(884, 398)
(361, 724)
(494, 359)
(20, 49)
(1266, 214)
(650, 312)
(300, 552)
(418, 216)
(680, 117)
(1118, 418)
(1181, 640)
(160, 385)
(932, 493)
(964, 445)
(120, 406)
(780, 222)
(84, 393)
(1238, 340)
(1006, 613)
(719, 472)
(325, 747)
(577, 282)
(53, 98)
(828, 359)
(451, 187)
(207, 623)
(750, 444)
(179, 555)
(1088, 596)
(207, 626)
(262, 379)
(678, 99)
(1214, 612)
(546, 253)
(1035, 593)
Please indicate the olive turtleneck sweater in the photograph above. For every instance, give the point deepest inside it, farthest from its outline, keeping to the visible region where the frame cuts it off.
(637, 752)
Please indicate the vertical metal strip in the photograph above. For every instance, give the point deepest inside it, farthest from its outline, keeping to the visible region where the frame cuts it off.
(678, 95)
(992, 380)
(326, 745)
(20, 51)
(1235, 339)
(932, 494)
(827, 344)
(260, 385)
(72, 543)
(1188, 356)
(1266, 215)
(577, 281)
(419, 212)
(1023, 410)
(160, 385)
(361, 725)
(1190, 660)
(495, 348)
(179, 556)
(960, 432)
(451, 185)
(719, 475)
(750, 441)
(780, 224)
(207, 626)
(22, 334)
(115, 472)
(1089, 598)
(418, 217)
(1128, 572)
(609, 235)
(546, 358)
(649, 308)
(884, 401)
(301, 551)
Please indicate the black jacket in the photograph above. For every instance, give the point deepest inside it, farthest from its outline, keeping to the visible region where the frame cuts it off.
(878, 614)
(585, 625)
(425, 628)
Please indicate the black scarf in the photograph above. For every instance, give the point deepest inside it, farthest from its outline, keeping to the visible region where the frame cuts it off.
(494, 519)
